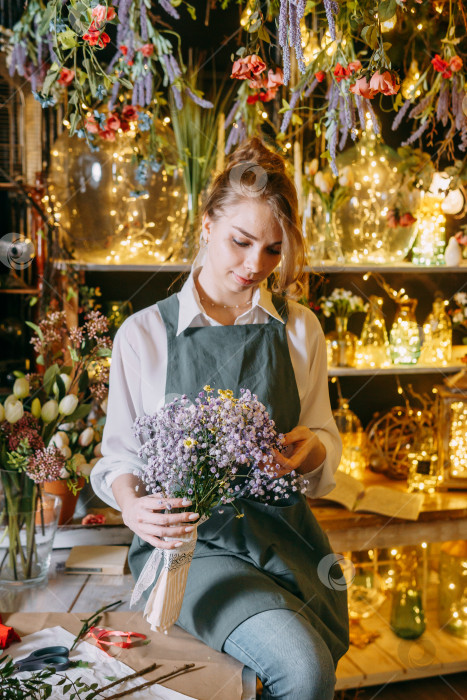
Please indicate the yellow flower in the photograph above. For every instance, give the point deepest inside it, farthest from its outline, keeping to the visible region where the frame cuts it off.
(225, 393)
(207, 388)
(189, 442)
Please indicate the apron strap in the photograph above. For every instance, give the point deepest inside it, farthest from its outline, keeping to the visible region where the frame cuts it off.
(169, 309)
(281, 306)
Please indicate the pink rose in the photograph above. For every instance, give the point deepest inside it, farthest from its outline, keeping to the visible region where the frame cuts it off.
(257, 83)
(455, 64)
(130, 113)
(385, 83)
(275, 78)
(113, 122)
(147, 50)
(101, 13)
(91, 125)
(93, 519)
(247, 67)
(124, 125)
(362, 87)
(66, 77)
(354, 66)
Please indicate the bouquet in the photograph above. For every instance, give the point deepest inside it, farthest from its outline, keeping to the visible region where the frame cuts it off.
(341, 303)
(212, 452)
(39, 436)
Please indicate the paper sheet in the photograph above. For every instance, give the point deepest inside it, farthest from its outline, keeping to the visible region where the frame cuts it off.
(100, 665)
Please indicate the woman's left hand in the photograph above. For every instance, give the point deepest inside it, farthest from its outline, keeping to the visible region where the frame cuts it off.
(305, 451)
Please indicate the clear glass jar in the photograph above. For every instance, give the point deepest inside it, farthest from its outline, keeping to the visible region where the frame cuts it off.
(353, 460)
(437, 333)
(424, 473)
(407, 614)
(341, 344)
(404, 337)
(373, 346)
(452, 591)
(430, 230)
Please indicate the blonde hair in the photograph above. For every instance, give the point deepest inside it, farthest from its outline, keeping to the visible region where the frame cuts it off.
(254, 171)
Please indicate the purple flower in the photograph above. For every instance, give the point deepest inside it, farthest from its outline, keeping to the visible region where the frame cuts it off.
(400, 115)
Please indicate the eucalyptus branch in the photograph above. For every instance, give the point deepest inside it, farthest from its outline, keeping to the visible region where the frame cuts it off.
(92, 622)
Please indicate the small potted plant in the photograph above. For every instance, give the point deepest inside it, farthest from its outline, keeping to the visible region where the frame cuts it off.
(340, 343)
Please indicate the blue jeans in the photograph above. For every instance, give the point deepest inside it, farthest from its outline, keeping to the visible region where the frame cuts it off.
(287, 654)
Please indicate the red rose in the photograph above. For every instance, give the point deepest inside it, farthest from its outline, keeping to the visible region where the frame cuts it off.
(93, 519)
(392, 219)
(130, 113)
(147, 50)
(407, 220)
(251, 99)
(320, 76)
(268, 95)
(124, 49)
(113, 122)
(66, 77)
(384, 83)
(107, 134)
(354, 66)
(441, 66)
(124, 125)
(340, 73)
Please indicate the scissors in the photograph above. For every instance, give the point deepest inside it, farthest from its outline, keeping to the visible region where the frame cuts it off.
(56, 657)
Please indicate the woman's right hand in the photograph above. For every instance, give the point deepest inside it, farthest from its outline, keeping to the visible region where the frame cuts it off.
(146, 517)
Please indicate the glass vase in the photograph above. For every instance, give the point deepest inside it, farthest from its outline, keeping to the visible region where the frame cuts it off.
(28, 522)
(430, 230)
(452, 591)
(407, 614)
(373, 346)
(424, 473)
(404, 337)
(341, 344)
(353, 460)
(437, 334)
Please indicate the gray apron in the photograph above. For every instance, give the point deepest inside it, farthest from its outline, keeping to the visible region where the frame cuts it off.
(267, 559)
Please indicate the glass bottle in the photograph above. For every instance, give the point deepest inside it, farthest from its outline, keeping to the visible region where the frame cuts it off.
(373, 346)
(407, 615)
(341, 344)
(404, 337)
(424, 467)
(430, 229)
(437, 332)
(353, 460)
(452, 591)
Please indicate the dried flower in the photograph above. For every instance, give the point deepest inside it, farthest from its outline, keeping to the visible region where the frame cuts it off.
(46, 464)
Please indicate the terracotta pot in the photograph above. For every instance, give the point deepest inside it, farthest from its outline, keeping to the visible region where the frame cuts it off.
(60, 488)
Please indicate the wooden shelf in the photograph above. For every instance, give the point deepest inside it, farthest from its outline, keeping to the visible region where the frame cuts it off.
(20, 290)
(395, 369)
(321, 268)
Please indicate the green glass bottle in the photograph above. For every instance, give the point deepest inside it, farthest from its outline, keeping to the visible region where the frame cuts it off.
(407, 615)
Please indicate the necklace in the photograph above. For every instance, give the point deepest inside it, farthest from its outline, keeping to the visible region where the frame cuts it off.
(225, 306)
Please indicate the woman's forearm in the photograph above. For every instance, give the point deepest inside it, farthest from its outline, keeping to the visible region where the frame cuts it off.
(124, 489)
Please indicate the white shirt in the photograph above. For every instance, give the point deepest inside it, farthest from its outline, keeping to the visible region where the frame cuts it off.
(138, 378)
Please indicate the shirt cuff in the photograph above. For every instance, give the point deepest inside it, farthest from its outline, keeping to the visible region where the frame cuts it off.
(103, 475)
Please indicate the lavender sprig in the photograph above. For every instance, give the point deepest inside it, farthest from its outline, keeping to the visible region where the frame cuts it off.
(330, 7)
(400, 115)
(416, 134)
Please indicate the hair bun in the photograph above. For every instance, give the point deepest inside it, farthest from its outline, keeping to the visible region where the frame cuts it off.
(254, 150)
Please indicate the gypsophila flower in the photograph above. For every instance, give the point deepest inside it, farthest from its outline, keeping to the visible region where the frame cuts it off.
(213, 450)
(341, 302)
(46, 464)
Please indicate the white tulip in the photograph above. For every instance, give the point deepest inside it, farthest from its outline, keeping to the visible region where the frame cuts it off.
(78, 460)
(68, 404)
(66, 379)
(104, 405)
(49, 411)
(85, 469)
(64, 473)
(36, 408)
(346, 177)
(60, 439)
(9, 399)
(2, 413)
(14, 411)
(86, 437)
(97, 450)
(21, 388)
(65, 451)
(324, 181)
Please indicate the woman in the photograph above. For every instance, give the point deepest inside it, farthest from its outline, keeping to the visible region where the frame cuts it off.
(258, 586)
